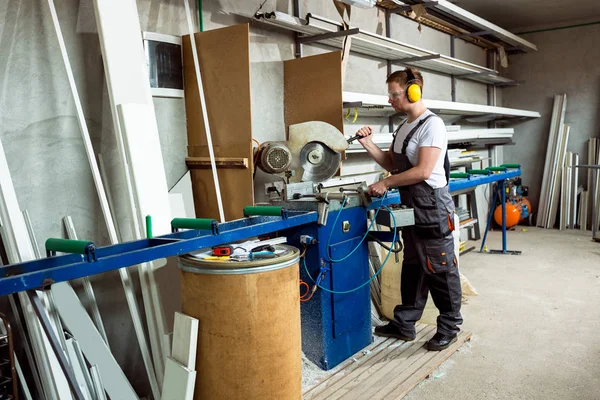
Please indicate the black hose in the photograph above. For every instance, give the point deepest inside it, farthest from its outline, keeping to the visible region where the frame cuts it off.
(382, 244)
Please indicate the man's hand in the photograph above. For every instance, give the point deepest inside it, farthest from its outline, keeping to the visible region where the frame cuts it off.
(378, 189)
(365, 133)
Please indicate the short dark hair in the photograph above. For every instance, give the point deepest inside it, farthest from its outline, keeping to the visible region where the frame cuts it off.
(401, 77)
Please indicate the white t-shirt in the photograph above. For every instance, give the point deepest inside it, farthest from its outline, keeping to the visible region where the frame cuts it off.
(432, 133)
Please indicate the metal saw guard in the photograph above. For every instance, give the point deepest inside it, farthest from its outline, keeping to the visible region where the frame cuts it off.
(301, 135)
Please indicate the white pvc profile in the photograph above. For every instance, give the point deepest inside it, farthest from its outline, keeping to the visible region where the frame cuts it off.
(19, 249)
(123, 272)
(204, 112)
(384, 140)
(167, 93)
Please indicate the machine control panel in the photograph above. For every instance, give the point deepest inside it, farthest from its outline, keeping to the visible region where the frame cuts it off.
(404, 216)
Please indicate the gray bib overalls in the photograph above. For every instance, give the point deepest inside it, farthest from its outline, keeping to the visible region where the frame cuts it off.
(429, 263)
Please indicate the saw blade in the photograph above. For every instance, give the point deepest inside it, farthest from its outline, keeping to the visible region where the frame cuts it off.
(319, 162)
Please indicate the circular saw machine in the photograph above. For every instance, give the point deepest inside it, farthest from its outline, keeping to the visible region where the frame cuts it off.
(313, 153)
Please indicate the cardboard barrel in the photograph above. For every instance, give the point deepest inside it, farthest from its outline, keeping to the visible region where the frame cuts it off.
(249, 344)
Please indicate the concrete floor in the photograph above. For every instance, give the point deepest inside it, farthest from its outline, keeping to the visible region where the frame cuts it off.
(535, 322)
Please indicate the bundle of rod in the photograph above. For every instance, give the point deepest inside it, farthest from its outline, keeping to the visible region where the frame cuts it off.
(555, 156)
(587, 197)
(374, 265)
(569, 191)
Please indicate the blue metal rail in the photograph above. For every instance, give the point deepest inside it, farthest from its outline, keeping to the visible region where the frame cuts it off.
(476, 180)
(43, 272)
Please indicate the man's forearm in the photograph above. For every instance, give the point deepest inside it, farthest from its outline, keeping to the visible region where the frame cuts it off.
(381, 157)
(409, 177)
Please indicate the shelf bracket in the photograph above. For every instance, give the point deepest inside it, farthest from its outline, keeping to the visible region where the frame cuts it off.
(415, 59)
(352, 104)
(328, 35)
(297, 44)
(452, 77)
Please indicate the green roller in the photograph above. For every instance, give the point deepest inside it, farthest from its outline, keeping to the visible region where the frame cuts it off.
(69, 246)
(193, 223)
(498, 169)
(148, 226)
(479, 172)
(511, 165)
(458, 175)
(267, 211)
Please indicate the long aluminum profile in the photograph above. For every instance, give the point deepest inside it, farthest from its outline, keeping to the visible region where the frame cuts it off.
(484, 25)
(374, 45)
(383, 47)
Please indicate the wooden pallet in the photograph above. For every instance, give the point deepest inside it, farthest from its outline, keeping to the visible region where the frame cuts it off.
(389, 369)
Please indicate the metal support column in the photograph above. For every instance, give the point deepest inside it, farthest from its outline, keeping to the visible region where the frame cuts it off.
(491, 89)
(499, 192)
(452, 77)
(595, 170)
(388, 34)
(297, 45)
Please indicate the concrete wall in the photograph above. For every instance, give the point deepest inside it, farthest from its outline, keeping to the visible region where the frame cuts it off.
(40, 134)
(567, 62)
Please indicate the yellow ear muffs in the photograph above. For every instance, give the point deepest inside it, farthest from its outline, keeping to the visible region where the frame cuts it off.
(413, 92)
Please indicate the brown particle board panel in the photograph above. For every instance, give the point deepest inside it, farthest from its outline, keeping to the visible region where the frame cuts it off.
(224, 59)
(313, 90)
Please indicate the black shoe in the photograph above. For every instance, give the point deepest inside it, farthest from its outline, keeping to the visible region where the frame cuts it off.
(391, 330)
(439, 341)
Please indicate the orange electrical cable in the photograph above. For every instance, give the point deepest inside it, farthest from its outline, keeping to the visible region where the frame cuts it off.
(302, 283)
(303, 297)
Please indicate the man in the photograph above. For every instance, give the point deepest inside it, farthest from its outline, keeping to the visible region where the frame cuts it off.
(420, 168)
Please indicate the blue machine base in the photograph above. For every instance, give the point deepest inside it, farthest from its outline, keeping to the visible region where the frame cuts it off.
(336, 326)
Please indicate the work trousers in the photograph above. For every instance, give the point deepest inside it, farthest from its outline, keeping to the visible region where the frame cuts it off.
(416, 282)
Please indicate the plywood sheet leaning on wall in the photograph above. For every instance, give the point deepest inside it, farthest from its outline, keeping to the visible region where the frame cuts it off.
(224, 58)
(312, 90)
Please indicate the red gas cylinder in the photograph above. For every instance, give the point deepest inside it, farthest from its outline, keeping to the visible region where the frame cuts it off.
(513, 215)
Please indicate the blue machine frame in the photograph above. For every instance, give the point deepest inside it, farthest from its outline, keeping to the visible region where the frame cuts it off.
(476, 180)
(336, 322)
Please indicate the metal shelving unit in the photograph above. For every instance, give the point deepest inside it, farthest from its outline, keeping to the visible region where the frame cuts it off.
(320, 30)
(375, 105)
(466, 138)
